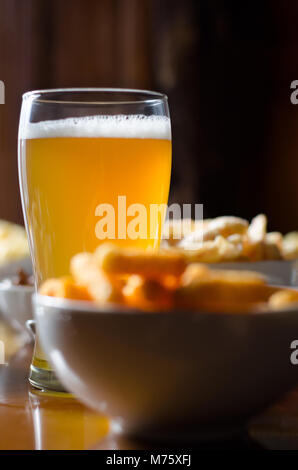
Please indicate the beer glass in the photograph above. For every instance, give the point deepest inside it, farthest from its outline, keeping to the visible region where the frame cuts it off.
(80, 152)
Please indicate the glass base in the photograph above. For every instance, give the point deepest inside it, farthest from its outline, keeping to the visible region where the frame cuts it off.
(45, 380)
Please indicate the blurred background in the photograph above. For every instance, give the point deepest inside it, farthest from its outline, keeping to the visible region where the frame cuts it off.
(226, 67)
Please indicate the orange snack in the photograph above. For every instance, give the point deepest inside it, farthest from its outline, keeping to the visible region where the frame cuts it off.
(147, 294)
(154, 265)
(87, 273)
(66, 288)
(283, 299)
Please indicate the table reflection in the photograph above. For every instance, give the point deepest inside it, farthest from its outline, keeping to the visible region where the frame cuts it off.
(32, 419)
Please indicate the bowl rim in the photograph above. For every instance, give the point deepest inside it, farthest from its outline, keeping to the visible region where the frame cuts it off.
(7, 286)
(79, 306)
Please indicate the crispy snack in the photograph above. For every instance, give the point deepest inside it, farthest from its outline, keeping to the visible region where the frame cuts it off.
(196, 273)
(273, 244)
(257, 230)
(221, 226)
(147, 294)
(290, 246)
(87, 273)
(283, 299)
(225, 226)
(215, 251)
(13, 242)
(165, 282)
(223, 293)
(154, 265)
(66, 288)
(219, 290)
(253, 243)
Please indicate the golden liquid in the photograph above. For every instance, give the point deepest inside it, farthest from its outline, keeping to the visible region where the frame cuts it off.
(63, 181)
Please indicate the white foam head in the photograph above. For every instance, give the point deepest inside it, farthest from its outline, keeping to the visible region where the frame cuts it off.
(128, 126)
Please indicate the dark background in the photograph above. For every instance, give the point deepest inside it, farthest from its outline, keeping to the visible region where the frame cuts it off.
(226, 67)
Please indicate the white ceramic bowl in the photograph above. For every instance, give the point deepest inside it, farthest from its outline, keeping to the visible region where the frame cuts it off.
(169, 375)
(16, 305)
(11, 268)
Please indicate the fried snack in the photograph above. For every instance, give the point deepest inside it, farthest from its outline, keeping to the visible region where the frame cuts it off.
(290, 246)
(233, 291)
(196, 273)
(283, 299)
(273, 243)
(215, 251)
(221, 226)
(219, 290)
(225, 226)
(257, 229)
(13, 242)
(253, 243)
(252, 240)
(147, 294)
(87, 273)
(153, 265)
(66, 288)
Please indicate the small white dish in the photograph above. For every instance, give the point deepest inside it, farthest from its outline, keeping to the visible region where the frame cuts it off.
(16, 305)
(169, 375)
(11, 268)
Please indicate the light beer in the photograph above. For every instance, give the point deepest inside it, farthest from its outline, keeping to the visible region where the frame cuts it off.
(69, 167)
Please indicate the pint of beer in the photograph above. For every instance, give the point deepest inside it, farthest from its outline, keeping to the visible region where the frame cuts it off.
(72, 169)
(83, 178)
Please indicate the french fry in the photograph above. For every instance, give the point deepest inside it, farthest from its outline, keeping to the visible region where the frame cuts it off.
(283, 299)
(147, 294)
(116, 262)
(66, 288)
(87, 273)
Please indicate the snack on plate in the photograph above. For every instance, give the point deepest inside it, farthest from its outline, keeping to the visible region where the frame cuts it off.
(229, 238)
(164, 281)
(13, 242)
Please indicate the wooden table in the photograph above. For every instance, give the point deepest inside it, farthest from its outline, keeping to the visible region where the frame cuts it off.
(30, 419)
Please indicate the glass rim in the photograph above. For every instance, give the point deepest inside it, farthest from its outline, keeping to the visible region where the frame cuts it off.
(153, 96)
